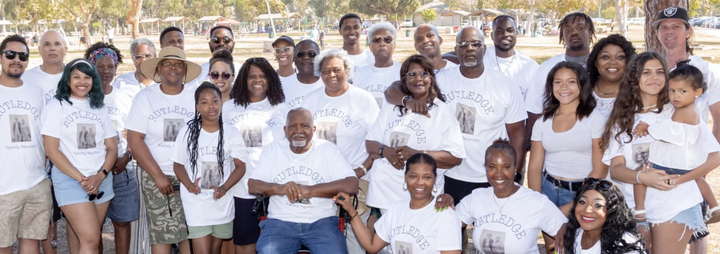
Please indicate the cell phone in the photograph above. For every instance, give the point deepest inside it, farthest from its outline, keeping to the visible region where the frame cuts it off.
(176, 187)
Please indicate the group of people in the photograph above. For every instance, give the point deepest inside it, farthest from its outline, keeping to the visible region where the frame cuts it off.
(413, 152)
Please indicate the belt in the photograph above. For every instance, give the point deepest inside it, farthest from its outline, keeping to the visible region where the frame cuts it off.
(572, 186)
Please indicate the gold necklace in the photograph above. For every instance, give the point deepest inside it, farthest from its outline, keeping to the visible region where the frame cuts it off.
(431, 199)
(507, 201)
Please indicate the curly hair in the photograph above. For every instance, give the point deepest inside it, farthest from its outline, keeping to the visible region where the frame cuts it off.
(100, 45)
(629, 102)
(240, 92)
(96, 96)
(570, 18)
(222, 55)
(618, 221)
(613, 39)
(691, 74)
(427, 65)
(587, 101)
(193, 133)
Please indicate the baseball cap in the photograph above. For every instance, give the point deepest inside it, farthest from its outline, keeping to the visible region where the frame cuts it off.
(284, 38)
(672, 13)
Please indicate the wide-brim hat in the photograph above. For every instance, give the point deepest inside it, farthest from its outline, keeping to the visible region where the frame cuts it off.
(672, 13)
(149, 67)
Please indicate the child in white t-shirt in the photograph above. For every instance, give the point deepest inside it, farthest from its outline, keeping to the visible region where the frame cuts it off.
(683, 142)
(206, 163)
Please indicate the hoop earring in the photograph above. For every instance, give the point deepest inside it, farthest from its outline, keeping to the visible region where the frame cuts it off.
(435, 188)
(404, 185)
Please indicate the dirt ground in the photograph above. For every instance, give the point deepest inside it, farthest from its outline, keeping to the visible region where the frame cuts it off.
(251, 45)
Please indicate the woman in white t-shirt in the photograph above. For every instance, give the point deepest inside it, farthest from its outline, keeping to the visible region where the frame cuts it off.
(258, 111)
(606, 66)
(398, 133)
(206, 161)
(222, 72)
(507, 217)
(80, 172)
(601, 222)
(411, 226)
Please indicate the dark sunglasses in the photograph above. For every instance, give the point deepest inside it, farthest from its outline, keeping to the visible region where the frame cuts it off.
(225, 40)
(378, 39)
(225, 75)
(99, 195)
(9, 54)
(602, 183)
(311, 54)
(465, 44)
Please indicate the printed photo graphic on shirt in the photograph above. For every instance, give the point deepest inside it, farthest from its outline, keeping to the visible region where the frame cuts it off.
(466, 118)
(252, 134)
(86, 135)
(19, 129)
(398, 139)
(641, 153)
(172, 128)
(403, 247)
(492, 242)
(304, 201)
(327, 131)
(210, 175)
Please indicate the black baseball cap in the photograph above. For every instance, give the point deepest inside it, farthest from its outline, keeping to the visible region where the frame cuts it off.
(284, 38)
(672, 13)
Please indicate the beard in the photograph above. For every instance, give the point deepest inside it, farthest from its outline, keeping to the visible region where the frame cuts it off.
(577, 47)
(299, 143)
(503, 48)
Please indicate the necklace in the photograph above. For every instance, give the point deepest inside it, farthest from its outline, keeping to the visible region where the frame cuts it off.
(507, 201)
(497, 62)
(431, 199)
(605, 94)
(649, 107)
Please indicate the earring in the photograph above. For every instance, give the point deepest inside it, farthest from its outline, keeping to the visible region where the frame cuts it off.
(404, 185)
(435, 188)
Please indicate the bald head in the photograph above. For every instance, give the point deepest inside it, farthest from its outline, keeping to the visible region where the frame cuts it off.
(424, 27)
(469, 30)
(52, 34)
(299, 113)
(52, 48)
(299, 129)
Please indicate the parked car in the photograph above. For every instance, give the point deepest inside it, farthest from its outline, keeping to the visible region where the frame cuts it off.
(407, 23)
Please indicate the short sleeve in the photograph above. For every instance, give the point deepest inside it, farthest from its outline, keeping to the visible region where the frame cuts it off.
(137, 120)
(237, 145)
(376, 130)
(713, 84)
(465, 209)
(341, 168)
(597, 124)
(371, 113)
(452, 138)
(516, 111)
(109, 128)
(264, 165)
(551, 218)
(537, 129)
(536, 92)
(449, 231)
(179, 151)
(52, 119)
(383, 227)
(614, 149)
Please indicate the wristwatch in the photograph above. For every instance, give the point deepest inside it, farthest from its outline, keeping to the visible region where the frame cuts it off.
(105, 172)
(380, 151)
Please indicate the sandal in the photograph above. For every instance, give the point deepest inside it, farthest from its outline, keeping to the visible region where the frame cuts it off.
(710, 218)
(637, 215)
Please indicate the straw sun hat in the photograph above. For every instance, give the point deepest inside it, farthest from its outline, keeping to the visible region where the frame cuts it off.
(149, 67)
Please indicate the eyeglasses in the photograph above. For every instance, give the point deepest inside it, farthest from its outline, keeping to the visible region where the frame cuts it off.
(141, 57)
(225, 40)
(93, 196)
(328, 71)
(465, 44)
(377, 39)
(602, 183)
(421, 75)
(9, 54)
(167, 65)
(283, 50)
(225, 75)
(311, 54)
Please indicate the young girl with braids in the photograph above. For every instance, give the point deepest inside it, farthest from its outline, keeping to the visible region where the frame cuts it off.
(207, 163)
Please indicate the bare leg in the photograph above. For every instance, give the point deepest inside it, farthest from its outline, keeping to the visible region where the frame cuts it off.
(217, 244)
(639, 191)
(86, 220)
(670, 238)
(6, 250)
(46, 246)
(228, 247)
(73, 243)
(646, 235)
(28, 246)
(161, 248)
(203, 245)
(699, 246)
(184, 247)
(122, 237)
(245, 249)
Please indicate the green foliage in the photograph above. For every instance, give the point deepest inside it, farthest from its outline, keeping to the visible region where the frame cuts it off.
(385, 7)
(609, 13)
(428, 14)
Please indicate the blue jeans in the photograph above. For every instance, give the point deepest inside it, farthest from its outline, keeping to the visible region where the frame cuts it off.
(321, 236)
(557, 195)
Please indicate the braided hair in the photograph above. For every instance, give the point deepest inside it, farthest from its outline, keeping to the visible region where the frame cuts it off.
(240, 92)
(193, 133)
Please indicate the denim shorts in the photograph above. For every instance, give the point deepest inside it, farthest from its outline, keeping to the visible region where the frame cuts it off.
(671, 171)
(692, 218)
(125, 207)
(557, 195)
(69, 192)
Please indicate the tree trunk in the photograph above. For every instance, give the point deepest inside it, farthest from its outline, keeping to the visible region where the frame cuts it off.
(652, 9)
(621, 7)
(133, 17)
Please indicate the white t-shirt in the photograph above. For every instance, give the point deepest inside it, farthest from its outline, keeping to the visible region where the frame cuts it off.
(259, 125)
(681, 146)
(596, 249)
(202, 209)
(160, 117)
(323, 163)
(375, 80)
(448, 65)
(205, 74)
(360, 60)
(575, 143)
(129, 84)
(47, 82)
(118, 105)
(604, 106)
(536, 90)
(519, 67)
(295, 90)
(21, 147)
(419, 231)
(439, 132)
(482, 106)
(344, 120)
(82, 131)
(515, 230)
(711, 76)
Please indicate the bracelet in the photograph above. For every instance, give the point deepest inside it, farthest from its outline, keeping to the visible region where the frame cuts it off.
(363, 168)
(353, 217)
(404, 100)
(637, 176)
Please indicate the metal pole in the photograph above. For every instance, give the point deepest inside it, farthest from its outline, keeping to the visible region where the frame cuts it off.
(271, 21)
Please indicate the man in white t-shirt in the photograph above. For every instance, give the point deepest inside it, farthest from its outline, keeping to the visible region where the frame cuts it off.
(221, 37)
(377, 77)
(427, 43)
(503, 57)
(47, 75)
(25, 198)
(576, 34)
(351, 28)
(301, 182)
(297, 86)
(172, 36)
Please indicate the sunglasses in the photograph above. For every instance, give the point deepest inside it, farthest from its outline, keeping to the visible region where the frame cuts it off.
(311, 54)
(225, 75)
(225, 40)
(378, 39)
(413, 75)
(99, 195)
(465, 44)
(602, 183)
(283, 50)
(23, 56)
(141, 57)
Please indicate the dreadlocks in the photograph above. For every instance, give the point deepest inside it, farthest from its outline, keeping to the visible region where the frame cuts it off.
(193, 133)
(572, 18)
(240, 92)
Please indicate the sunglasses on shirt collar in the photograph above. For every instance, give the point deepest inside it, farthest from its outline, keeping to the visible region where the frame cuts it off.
(602, 183)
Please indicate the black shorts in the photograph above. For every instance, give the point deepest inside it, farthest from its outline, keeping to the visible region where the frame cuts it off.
(56, 212)
(246, 227)
(459, 189)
